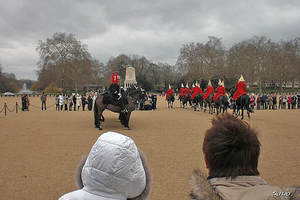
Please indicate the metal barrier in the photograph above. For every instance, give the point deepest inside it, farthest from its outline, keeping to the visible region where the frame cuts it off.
(16, 107)
(6, 108)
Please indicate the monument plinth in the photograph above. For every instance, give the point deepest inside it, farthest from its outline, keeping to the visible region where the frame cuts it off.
(130, 77)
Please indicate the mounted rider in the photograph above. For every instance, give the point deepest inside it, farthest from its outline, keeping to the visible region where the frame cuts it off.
(196, 90)
(240, 88)
(209, 90)
(181, 90)
(220, 90)
(116, 93)
(187, 90)
(169, 92)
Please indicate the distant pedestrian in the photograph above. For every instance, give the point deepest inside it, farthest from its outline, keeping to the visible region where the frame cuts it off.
(298, 96)
(43, 100)
(70, 101)
(56, 102)
(23, 102)
(83, 100)
(74, 101)
(284, 100)
(289, 101)
(61, 101)
(90, 102)
(66, 101)
(78, 101)
(294, 101)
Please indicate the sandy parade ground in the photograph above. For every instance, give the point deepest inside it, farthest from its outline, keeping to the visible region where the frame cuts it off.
(39, 151)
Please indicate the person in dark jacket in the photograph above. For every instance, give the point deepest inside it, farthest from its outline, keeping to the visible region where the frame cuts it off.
(43, 100)
(90, 102)
(74, 101)
(264, 99)
(83, 99)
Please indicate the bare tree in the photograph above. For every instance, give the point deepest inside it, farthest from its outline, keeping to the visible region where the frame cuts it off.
(64, 60)
(199, 60)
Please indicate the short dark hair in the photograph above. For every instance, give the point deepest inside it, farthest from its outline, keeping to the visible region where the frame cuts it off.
(231, 147)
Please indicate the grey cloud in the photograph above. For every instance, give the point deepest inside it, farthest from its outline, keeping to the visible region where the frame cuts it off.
(155, 29)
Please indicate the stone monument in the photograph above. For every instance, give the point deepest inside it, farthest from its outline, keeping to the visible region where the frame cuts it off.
(130, 77)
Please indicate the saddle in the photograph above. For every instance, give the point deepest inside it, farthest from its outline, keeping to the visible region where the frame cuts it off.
(115, 100)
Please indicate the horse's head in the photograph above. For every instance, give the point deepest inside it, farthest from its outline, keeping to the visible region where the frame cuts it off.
(136, 93)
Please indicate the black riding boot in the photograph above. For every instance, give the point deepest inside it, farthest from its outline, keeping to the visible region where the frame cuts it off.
(123, 108)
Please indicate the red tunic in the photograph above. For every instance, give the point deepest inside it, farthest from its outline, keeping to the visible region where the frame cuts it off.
(240, 90)
(196, 90)
(209, 90)
(181, 92)
(187, 91)
(169, 92)
(219, 92)
(112, 78)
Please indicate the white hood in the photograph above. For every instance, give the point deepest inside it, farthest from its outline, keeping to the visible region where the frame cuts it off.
(114, 168)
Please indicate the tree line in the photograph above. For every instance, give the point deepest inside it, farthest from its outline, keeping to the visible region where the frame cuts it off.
(262, 62)
(66, 64)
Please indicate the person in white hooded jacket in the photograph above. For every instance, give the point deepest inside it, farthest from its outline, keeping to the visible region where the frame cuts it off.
(114, 169)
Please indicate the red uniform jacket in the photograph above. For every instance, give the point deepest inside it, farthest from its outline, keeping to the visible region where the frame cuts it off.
(219, 92)
(114, 78)
(187, 91)
(209, 90)
(240, 90)
(181, 92)
(196, 90)
(169, 92)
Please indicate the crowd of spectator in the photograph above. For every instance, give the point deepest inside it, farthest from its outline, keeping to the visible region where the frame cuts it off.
(75, 101)
(277, 101)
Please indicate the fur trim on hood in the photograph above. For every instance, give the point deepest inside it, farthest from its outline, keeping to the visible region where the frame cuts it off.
(202, 190)
(143, 196)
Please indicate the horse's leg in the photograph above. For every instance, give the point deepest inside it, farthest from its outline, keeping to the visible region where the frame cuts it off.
(195, 105)
(248, 112)
(121, 118)
(102, 118)
(242, 112)
(96, 118)
(126, 121)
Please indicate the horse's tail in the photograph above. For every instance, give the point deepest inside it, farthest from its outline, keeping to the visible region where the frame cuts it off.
(246, 102)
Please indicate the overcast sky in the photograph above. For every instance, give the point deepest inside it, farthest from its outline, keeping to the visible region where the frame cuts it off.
(156, 29)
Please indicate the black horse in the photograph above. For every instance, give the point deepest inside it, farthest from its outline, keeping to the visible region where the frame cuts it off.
(209, 102)
(180, 98)
(198, 102)
(242, 103)
(170, 100)
(101, 104)
(186, 99)
(221, 102)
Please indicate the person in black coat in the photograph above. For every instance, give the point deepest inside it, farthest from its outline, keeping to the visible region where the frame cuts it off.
(90, 102)
(74, 102)
(83, 99)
